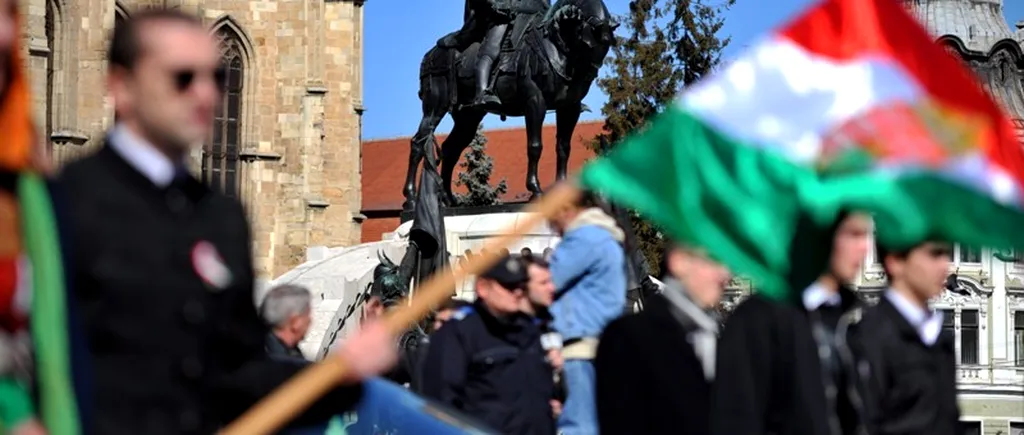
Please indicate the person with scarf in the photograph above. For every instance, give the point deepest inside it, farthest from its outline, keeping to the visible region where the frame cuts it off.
(655, 368)
(39, 385)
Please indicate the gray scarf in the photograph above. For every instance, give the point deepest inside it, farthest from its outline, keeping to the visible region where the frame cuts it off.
(705, 339)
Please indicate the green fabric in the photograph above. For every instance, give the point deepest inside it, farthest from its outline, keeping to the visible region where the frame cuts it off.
(15, 404)
(49, 314)
(742, 202)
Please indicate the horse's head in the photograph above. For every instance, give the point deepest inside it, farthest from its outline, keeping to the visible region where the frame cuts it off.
(584, 26)
(388, 283)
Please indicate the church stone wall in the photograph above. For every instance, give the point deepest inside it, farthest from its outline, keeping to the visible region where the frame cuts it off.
(301, 100)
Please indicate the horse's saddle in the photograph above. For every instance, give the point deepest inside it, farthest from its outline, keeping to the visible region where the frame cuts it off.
(514, 44)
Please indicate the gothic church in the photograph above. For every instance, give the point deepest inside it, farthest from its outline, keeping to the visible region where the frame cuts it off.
(287, 139)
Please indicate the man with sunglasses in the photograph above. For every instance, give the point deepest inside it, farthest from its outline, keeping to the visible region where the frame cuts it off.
(162, 265)
(912, 359)
(489, 363)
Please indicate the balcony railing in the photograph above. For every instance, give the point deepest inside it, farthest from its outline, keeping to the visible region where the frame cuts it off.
(992, 375)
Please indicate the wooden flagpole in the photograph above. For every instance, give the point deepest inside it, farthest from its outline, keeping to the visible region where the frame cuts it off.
(302, 390)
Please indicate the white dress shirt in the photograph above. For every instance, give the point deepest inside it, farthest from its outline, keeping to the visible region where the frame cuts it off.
(142, 156)
(817, 295)
(928, 323)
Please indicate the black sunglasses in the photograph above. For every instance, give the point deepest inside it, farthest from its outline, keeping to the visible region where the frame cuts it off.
(184, 79)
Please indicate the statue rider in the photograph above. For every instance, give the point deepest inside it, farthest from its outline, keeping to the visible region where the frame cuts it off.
(488, 19)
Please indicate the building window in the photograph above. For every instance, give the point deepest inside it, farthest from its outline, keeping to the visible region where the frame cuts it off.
(1016, 428)
(51, 26)
(220, 160)
(969, 337)
(970, 427)
(967, 254)
(948, 323)
(118, 21)
(1018, 337)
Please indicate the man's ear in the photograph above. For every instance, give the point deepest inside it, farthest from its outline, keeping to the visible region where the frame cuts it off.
(117, 84)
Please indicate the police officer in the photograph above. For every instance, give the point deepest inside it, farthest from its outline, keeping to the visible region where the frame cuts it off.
(488, 361)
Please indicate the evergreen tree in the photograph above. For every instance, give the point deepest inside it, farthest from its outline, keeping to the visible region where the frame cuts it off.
(668, 44)
(476, 176)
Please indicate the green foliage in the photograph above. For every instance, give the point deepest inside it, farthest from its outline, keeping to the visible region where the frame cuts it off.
(476, 176)
(667, 45)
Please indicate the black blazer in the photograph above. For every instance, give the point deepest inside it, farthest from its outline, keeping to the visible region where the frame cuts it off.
(649, 380)
(914, 385)
(173, 353)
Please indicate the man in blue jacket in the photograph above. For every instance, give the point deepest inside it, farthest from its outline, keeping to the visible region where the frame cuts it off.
(588, 268)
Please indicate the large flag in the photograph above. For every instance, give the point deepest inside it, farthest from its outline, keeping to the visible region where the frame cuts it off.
(852, 106)
(31, 267)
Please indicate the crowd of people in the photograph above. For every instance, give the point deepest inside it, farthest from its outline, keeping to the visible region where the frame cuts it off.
(132, 313)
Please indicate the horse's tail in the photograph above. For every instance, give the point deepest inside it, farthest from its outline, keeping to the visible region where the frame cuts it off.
(437, 63)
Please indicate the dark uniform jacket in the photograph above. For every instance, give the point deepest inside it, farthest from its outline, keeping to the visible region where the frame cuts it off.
(913, 384)
(173, 353)
(493, 370)
(277, 349)
(649, 380)
(771, 376)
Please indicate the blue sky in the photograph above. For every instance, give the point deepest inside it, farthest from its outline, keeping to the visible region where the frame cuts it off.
(399, 32)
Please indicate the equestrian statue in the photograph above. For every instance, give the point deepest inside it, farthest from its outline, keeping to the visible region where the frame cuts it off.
(510, 58)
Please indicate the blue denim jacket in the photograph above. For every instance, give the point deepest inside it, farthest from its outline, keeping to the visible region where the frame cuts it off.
(588, 268)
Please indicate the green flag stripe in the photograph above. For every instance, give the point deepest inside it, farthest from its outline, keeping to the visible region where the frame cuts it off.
(702, 187)
(49, 316)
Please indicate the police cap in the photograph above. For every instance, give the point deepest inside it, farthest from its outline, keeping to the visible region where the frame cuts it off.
(510, 272)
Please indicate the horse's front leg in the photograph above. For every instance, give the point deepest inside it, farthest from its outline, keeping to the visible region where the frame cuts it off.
(534, 115)
(567, 118)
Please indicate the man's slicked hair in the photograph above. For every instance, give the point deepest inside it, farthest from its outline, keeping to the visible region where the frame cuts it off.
(126, 45)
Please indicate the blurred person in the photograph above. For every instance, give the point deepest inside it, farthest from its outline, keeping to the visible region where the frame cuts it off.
(667, 350)
(43, 372)
(546, 255)
(526, 252)
(540, 293)
(785, 367)
(913, 361)
(489, 363)
(451, 309)
(287, 310)
(191, 358)
(588, 268)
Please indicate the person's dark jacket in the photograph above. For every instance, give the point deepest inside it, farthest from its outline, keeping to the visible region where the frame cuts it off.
(771, 377)
(649, 380)
(493, 370)
(173, 352)
(913, 384)
(277, 349)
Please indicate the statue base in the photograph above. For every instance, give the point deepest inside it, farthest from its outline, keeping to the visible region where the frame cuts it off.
(514, 207)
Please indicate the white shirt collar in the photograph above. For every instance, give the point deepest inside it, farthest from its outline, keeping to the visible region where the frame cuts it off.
(817, 295)
(927, 323)
(142, 156)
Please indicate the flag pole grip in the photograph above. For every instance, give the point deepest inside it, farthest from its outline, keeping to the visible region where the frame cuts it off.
(281, 406)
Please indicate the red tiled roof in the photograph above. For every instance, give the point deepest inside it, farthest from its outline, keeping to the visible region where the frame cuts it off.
(385, 162)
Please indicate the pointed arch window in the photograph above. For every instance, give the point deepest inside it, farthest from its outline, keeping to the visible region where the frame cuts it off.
(119, 18)
(52, 39)
(220, 160)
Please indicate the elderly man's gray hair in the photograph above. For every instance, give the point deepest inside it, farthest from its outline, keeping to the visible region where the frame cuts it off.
(283, 302)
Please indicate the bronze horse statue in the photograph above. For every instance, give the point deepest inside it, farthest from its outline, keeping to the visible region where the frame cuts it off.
(548, 61)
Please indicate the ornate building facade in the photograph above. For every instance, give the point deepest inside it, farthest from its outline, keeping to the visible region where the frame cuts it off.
(986, 311)
(287, 134)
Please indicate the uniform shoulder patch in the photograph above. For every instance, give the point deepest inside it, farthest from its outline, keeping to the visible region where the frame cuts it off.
(462, 313)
